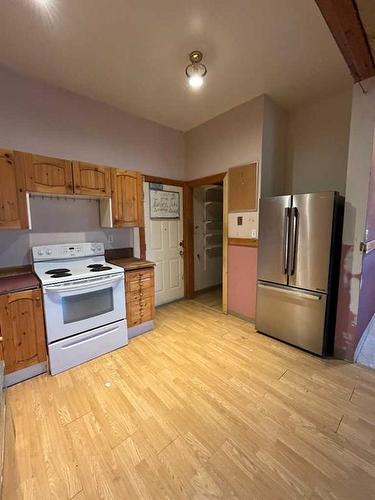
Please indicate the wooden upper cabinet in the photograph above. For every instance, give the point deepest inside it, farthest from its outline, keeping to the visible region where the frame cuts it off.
(127, 198)
(47, 175)
(13, 207)
(90, 179)
(22, 330)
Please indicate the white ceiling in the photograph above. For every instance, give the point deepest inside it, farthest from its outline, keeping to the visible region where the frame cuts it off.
(132, 53)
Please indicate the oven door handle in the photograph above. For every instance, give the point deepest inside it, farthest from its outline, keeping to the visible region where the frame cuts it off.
(82, 286)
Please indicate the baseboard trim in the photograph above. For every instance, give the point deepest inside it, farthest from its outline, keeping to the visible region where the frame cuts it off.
(207, 289)
(26, 373)
(241, 316)
(136, 330)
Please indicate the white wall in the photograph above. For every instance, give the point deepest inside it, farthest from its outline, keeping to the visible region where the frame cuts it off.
(317, 145)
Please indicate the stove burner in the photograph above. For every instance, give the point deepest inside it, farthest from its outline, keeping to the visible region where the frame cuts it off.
(103, 268)
(94, 266)
(60, 275)
(58, 271)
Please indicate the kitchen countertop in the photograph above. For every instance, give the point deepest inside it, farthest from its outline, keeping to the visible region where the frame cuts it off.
(131, 263)
(17, 279)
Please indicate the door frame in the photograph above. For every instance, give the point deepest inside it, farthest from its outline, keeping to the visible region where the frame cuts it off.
(188, 224)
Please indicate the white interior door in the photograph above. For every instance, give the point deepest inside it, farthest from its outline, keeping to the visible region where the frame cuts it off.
(163, 237)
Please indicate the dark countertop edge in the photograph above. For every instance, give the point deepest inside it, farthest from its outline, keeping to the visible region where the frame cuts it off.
(132, 263)
(5, 272)
(20, 289)
(17, 280)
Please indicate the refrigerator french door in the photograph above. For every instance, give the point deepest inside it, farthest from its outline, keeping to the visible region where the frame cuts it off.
(298, 267)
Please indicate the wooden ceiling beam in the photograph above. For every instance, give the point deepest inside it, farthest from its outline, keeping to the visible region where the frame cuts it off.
(345, 24)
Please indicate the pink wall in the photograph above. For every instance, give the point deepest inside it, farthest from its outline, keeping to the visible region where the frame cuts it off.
(242, 275)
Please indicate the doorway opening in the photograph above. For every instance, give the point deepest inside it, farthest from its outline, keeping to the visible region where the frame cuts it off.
(208, 244)
(206, 240)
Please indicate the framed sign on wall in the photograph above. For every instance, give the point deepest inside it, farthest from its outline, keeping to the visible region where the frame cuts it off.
(164, 204)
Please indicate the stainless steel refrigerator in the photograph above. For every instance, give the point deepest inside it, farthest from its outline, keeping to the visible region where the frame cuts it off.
(298, 268)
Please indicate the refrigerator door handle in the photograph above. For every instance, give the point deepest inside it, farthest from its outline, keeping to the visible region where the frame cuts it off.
(294, 232)
(292, 292)
(286, 241)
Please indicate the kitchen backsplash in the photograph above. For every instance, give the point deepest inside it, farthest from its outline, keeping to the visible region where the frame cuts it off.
(59, 220)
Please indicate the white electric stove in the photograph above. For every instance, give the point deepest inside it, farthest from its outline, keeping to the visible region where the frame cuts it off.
(84, 302)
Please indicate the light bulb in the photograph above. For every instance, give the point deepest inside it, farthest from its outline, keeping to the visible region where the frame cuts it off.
(195, 81)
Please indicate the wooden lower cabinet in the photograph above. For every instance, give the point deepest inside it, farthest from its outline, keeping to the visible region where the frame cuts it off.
(22, 330)
(140, 296)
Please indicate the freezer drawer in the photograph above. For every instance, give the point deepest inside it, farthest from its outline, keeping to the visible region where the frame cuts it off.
(294, 316)
(75, 350)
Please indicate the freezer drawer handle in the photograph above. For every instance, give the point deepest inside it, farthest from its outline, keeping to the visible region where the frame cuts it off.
(292, 292)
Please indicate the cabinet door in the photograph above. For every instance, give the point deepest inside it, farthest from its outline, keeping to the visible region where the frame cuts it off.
(13, 208)
(127, 198)
(48, 175)
(90, 179)
(22, 330)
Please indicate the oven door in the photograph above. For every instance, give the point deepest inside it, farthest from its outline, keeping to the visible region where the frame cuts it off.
(78, 306)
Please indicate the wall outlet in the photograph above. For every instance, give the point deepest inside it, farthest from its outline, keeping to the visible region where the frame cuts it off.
(253, 233)
(110, 238)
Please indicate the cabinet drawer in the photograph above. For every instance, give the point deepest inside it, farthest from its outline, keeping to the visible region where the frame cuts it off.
(140, 311)
(140, 274)
(140, 293)
(139, 286)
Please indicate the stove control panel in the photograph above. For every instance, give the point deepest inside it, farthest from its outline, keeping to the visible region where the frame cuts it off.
(67, 251)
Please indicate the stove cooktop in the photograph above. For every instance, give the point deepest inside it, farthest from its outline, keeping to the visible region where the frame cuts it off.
(68, 262)
(54, 272)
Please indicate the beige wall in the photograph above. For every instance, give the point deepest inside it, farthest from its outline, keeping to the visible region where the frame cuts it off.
(230, 139)
(317, 145)
(273, 178)
(43, 119)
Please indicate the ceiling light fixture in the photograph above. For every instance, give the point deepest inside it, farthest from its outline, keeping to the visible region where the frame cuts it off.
(196, 71)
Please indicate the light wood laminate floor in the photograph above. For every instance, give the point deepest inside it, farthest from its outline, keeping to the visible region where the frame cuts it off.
(202, 407)
(211, 298)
